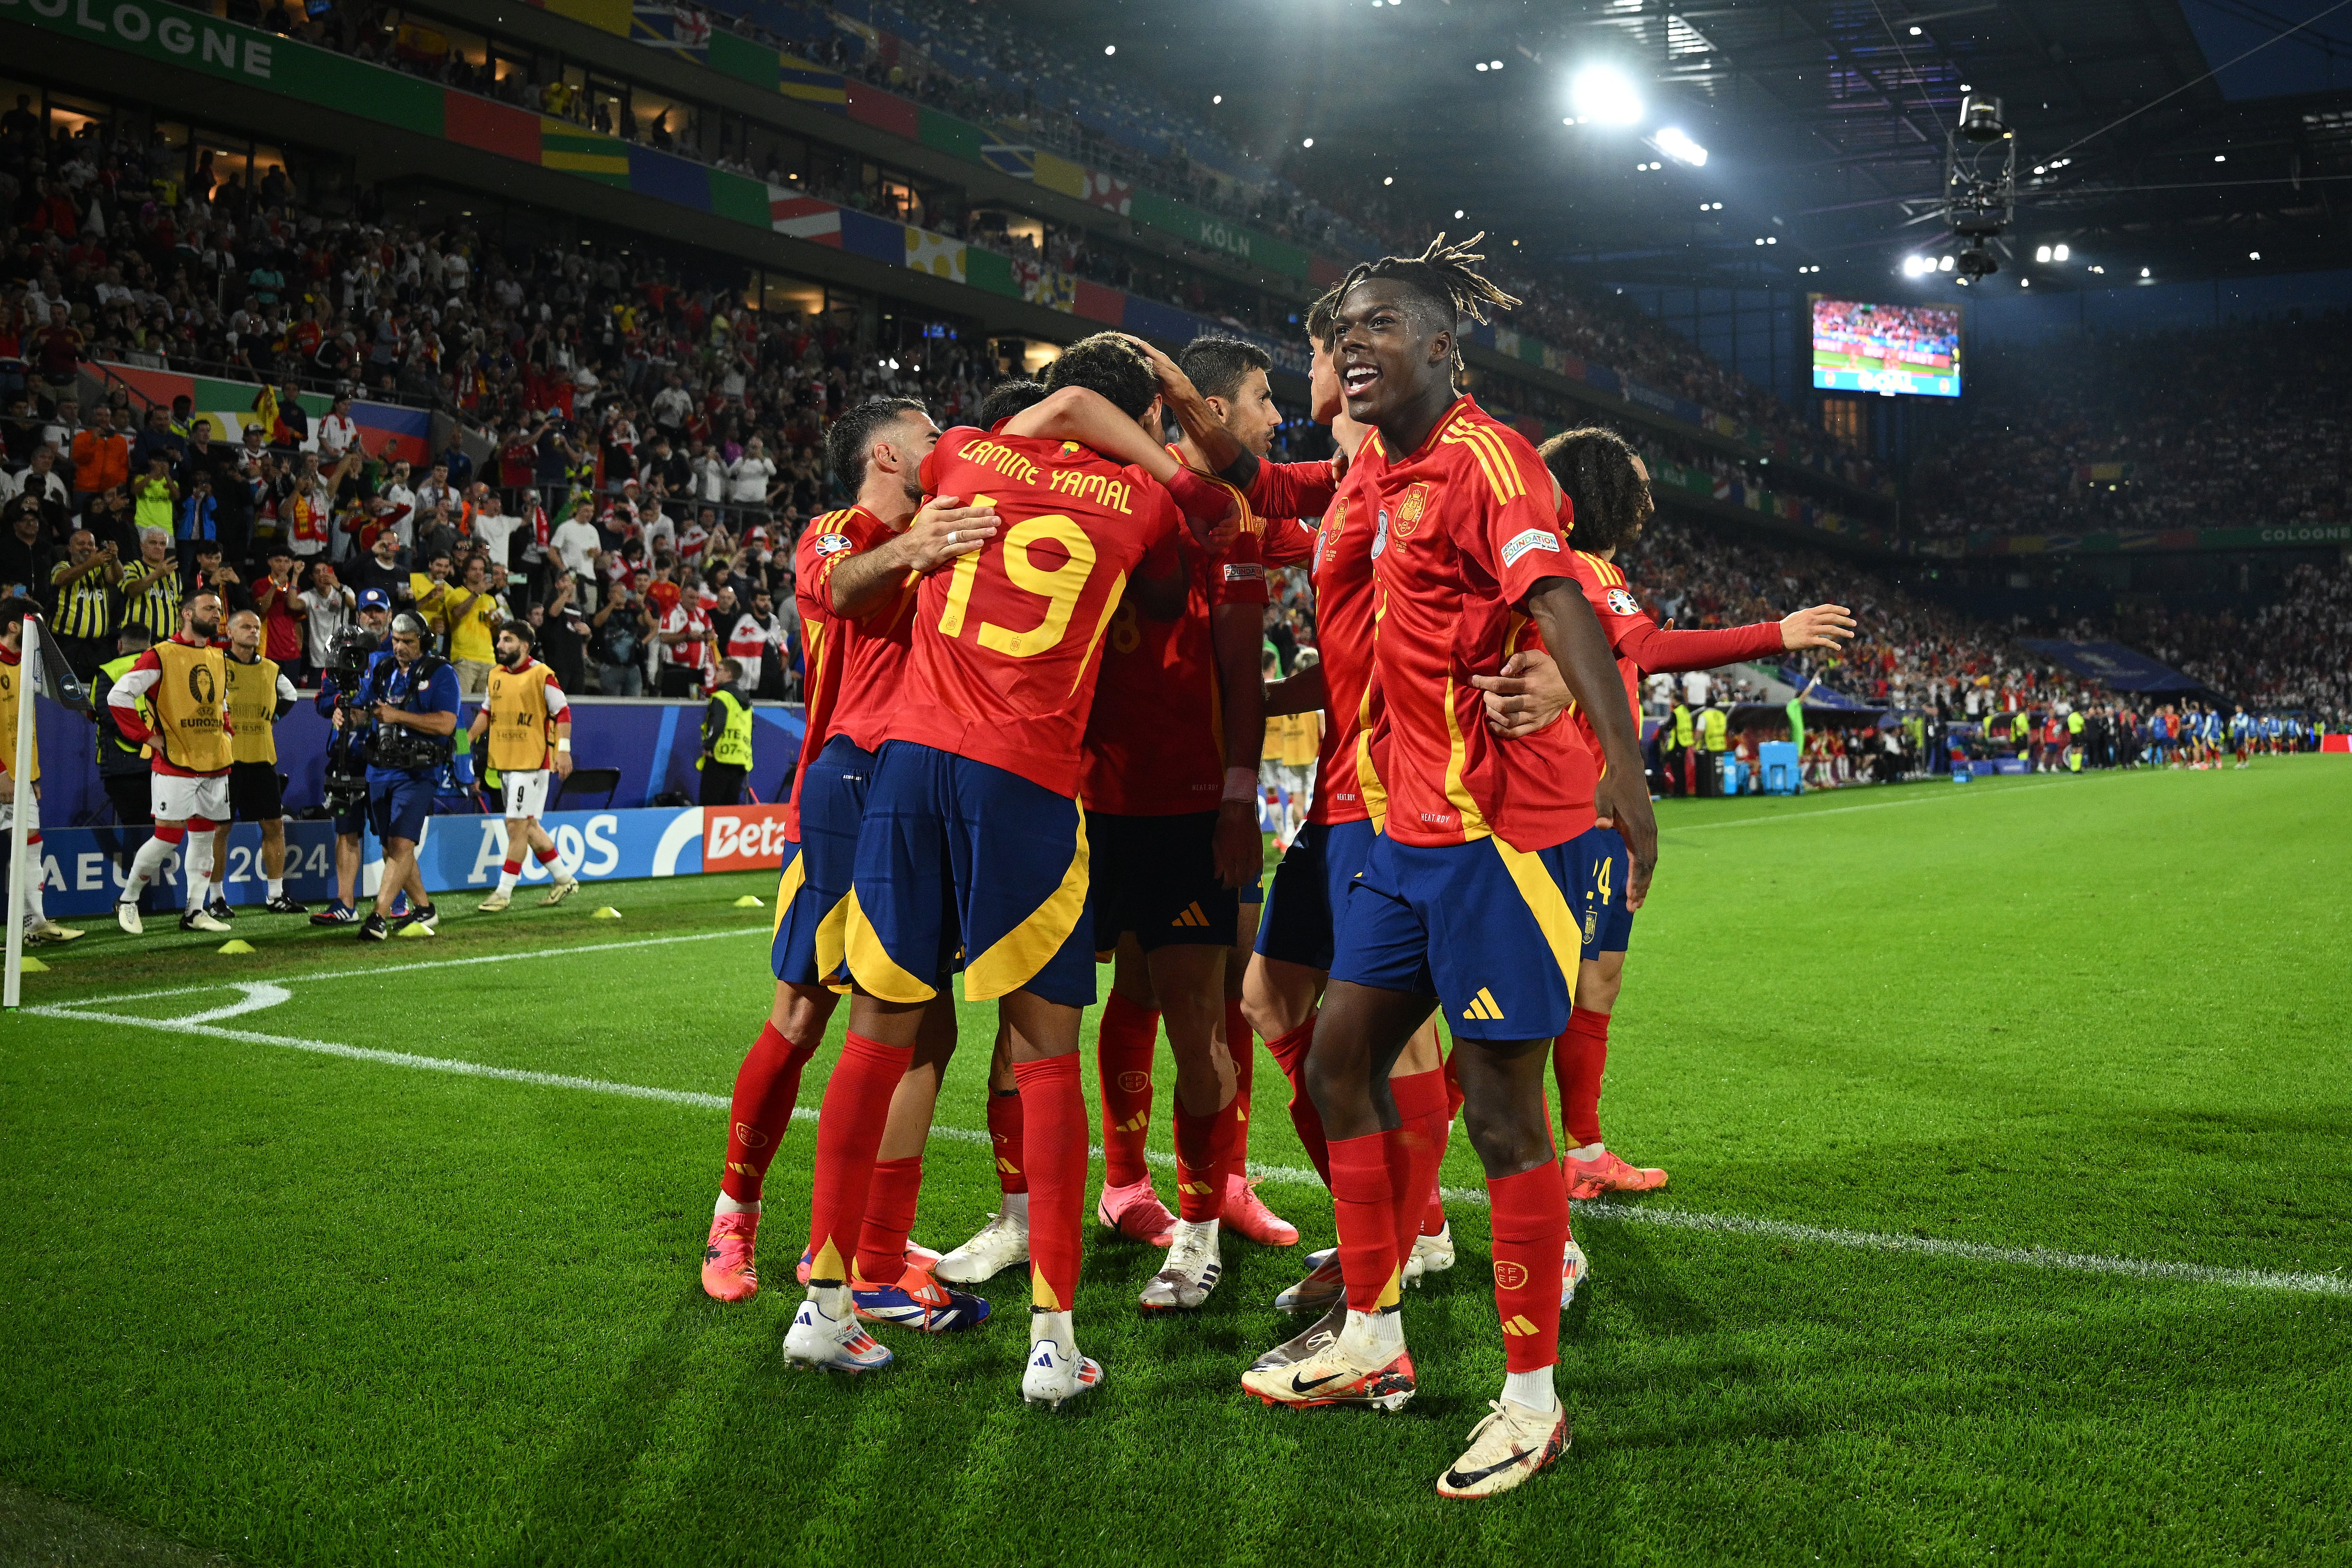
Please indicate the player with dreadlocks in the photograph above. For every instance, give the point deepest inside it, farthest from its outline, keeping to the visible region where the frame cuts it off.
(1463, 898)
(1607, 491)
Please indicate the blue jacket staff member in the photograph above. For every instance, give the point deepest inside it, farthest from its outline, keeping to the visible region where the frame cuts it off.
(414, 703)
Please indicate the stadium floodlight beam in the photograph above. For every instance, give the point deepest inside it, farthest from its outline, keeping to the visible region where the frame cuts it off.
(2041, 252)
(1676, 143)
(2059, 253)
(1604, 93)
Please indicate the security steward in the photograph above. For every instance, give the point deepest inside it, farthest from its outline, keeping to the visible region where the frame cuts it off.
(413, 697)
(1715, 740)
(528, 720)
(726, 759)
(122, 763)
(1679, 741)
(259, 694)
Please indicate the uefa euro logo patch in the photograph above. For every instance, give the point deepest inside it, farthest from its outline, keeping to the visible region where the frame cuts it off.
(829, 544)
(1381, 535)
(1622, 603)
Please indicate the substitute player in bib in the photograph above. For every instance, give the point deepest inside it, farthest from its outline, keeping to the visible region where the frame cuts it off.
(527, 722)
(973, 852)
(1607, 491)
(1463, 900)
(856, 572)
(15, 707)
(186, 680)
(259, 694)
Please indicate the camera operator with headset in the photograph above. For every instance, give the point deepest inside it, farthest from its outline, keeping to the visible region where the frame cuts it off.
(355, 651)
(414, 695)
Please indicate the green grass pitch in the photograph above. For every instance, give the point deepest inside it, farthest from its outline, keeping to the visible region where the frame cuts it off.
(2010, 1127)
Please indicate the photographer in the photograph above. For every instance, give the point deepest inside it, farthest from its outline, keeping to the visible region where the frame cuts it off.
(342, 677)
(414, 697)
(620, 629)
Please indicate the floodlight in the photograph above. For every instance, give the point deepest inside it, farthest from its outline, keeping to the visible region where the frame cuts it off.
(1914, 266)
(1676, 143)
(1603, 93)
(2041, 252)
(1944, 265)
(2059, 253)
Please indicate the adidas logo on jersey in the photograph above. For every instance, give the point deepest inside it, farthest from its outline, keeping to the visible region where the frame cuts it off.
(1484, 1006)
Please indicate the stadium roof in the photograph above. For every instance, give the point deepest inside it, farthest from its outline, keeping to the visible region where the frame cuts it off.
(1824, 122)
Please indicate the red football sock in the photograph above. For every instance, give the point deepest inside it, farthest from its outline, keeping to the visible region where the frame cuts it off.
(767, 1087)
(1530, 1214)
(848, 1133)
(546, 856)
(1433, 1219)
(1199, 1187)
(1577, 1059)
(1425, 1118)
(1005, 1126)
(1054, 1106)
(890, 1215)
(1363, 1203)
(1241, 1046)
(1290, 1055)
(513, 867)
(1125, 1044)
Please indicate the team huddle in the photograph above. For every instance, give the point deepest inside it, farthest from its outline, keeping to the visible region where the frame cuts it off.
(1035, 714)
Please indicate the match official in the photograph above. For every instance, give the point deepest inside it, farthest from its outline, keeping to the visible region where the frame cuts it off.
(414, 696)
(528, 720)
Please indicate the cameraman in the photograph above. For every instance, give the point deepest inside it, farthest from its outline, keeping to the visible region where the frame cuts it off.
(621, 630)
(340, 681)
(414, 697)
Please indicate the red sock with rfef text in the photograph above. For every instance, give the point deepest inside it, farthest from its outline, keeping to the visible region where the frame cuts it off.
(767, 1087)
(1125, 1044)
(848, 1135)
(1529, 1212)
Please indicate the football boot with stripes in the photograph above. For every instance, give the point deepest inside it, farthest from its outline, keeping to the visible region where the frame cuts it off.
(827, 1343)
(916, 1301)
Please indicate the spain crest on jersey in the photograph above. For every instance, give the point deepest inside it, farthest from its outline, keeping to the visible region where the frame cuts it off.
(1622, 603)
(1409, 508)
(1335, 520)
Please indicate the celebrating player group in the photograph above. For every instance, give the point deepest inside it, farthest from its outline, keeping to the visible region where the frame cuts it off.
(1034, 713)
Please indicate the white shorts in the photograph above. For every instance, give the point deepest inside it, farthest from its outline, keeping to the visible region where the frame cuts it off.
(526, 792)
(32, 816)
(173, 798)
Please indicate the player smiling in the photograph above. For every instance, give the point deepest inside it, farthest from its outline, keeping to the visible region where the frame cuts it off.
(1464, 899)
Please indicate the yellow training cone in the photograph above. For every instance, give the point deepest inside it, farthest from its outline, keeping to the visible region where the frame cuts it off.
(413, 929)
(34, 965)
(236, 944)
(750, 901)
(607, 913)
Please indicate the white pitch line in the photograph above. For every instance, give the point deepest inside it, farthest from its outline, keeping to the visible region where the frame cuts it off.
(375, 969)
(1841, 810)
(1295, 1175)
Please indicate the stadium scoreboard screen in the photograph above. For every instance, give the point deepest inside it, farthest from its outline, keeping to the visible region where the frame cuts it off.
(1885, 349)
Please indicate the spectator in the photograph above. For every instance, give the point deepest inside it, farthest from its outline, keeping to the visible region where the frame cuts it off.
(82, 602)
(686, 645)
(472, 615)
(283, 611)
(151, 586)
(563, 635)
(328, 606)
(102, 460)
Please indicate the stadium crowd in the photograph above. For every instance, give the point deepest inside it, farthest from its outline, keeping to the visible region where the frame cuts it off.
(2207, 428)
(1103, 122)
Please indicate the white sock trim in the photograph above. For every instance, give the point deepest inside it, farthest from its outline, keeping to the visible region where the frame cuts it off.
(1016, 1207)
(727, 1204)
(1533, 1390)
(1588, 1152)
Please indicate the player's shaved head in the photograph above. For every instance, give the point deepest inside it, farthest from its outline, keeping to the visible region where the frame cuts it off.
(1008, 398)
(849, 444)
(1606, 488)
(1109, 364)
(1218, 365)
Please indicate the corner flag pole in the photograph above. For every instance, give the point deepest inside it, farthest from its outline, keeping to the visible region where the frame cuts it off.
(20, 829)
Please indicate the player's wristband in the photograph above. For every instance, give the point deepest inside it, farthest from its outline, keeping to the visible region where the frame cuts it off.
(1241, 784)
(563, 743)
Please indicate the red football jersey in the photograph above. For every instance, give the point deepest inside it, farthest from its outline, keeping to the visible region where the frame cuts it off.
(1463, 531)
(1156, 738)
(1006, 642)
(1346, 788)
(849, 666)
(1641, 646)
